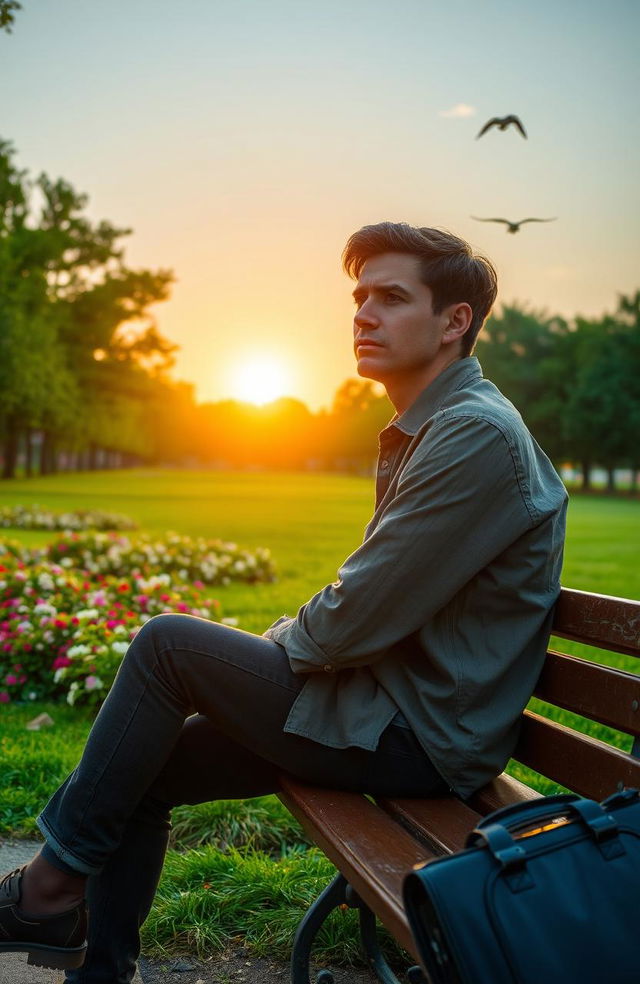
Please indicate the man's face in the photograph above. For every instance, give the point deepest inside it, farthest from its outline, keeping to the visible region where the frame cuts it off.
(396, 335)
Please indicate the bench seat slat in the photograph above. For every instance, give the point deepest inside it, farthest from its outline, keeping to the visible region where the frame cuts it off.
(372, 851)
(583, 764)
(500, 792)
(598, 620)
(598, 692)
(441, 823)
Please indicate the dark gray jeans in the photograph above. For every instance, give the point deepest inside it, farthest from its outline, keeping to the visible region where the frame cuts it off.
(196, 713)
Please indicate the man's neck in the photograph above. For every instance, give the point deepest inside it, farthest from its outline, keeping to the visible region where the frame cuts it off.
(405, 390)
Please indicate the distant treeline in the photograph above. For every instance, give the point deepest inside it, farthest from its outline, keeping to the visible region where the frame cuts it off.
(85, 375)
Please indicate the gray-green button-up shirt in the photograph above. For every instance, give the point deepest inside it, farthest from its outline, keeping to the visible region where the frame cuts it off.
(444, 612)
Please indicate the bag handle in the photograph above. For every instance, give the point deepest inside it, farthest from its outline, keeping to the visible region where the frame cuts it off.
(599, 822)
(545, 806)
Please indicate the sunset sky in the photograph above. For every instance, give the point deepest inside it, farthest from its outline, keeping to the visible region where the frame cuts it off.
(243, 141)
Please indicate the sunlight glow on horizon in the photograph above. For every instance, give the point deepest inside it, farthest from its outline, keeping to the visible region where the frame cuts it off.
(260, 380)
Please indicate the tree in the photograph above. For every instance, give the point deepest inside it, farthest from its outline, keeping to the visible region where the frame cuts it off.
(7, 14)
(602, 417)
(77, 340)
(527, 355)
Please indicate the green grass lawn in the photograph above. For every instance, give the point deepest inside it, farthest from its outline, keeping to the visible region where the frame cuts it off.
(310, 523)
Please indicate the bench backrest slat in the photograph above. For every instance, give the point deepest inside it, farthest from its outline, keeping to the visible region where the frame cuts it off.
(604, 694)
(585, 765)
(598, 620)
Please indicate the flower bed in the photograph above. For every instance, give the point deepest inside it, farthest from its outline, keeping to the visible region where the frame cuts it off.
(69, 610)
(39, 518)
(209, 561)
(63, 635)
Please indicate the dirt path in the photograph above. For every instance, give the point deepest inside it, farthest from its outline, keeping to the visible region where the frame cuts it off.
(236, 967)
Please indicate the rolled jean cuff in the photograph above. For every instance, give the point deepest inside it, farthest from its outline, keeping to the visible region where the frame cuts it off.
(62, 853)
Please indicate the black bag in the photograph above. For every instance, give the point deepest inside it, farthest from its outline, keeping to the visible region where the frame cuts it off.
(545, 892)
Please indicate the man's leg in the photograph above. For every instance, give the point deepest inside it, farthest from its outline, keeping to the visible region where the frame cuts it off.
(207, 765)
(177, 664)
(204, 765)
(244, 687)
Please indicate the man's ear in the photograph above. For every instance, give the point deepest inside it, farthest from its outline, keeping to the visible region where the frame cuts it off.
(459, 321)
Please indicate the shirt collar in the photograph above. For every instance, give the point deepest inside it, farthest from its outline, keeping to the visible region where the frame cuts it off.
(454, 377)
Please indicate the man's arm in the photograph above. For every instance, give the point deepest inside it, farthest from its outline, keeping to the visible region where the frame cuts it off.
(459, 505)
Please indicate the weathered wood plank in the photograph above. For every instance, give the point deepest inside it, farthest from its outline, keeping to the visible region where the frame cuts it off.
(583, 764)
(600, 693)
(598, 620)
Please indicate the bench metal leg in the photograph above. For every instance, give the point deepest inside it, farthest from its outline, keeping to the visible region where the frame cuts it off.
(337, 893)
(330, 899)
(369, 938)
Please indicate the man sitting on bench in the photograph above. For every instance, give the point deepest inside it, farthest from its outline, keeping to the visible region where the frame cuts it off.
(405, 677)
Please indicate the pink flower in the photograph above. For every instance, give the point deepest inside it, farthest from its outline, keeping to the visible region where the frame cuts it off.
(4, 697)
(92, 683)
(61, 661)
(10, 679)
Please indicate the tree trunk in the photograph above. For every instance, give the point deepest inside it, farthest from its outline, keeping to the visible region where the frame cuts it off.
(611, 480)
(11, 444)
(47, 454)
(28, 453)
(586, 476)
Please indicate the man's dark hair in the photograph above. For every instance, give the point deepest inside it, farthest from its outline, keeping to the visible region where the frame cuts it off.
(449, 267)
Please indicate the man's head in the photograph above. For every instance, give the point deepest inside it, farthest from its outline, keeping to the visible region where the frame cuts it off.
(447, 264)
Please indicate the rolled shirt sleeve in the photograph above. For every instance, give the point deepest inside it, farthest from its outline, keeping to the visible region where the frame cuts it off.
(456, 506)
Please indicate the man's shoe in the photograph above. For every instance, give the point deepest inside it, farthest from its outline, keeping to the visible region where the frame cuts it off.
(56, 941)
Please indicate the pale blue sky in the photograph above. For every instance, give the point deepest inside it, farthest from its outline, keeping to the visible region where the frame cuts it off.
(245, 141)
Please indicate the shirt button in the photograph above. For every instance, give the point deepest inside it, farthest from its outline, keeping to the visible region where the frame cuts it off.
(384, 465)
(328, 668)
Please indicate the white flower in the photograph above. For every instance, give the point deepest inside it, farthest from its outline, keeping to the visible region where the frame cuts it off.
(79, 650)
(42, 608)
(73, 693)
(119, 647)
(87, 613)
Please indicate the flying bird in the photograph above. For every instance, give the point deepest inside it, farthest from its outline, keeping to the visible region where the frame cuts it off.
(502, 122)
(513, 226)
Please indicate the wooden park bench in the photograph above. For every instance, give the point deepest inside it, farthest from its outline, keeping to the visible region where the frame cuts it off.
(373, 844)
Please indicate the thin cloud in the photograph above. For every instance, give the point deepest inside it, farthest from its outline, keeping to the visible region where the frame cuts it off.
(458, 112)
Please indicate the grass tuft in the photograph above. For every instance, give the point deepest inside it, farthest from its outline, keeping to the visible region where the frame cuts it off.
(207, 899)
(262, 823)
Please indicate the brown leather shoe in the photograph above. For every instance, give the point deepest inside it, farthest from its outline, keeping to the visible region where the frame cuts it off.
(56, 941)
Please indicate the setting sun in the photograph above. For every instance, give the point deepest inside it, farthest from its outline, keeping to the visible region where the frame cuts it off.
(260, 380)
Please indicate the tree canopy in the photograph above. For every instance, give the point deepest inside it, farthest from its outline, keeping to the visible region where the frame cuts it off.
(79, 347)
(8, 10)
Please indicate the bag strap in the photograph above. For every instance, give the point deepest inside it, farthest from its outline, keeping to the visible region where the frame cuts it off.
(545, 806)
(601, 825)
